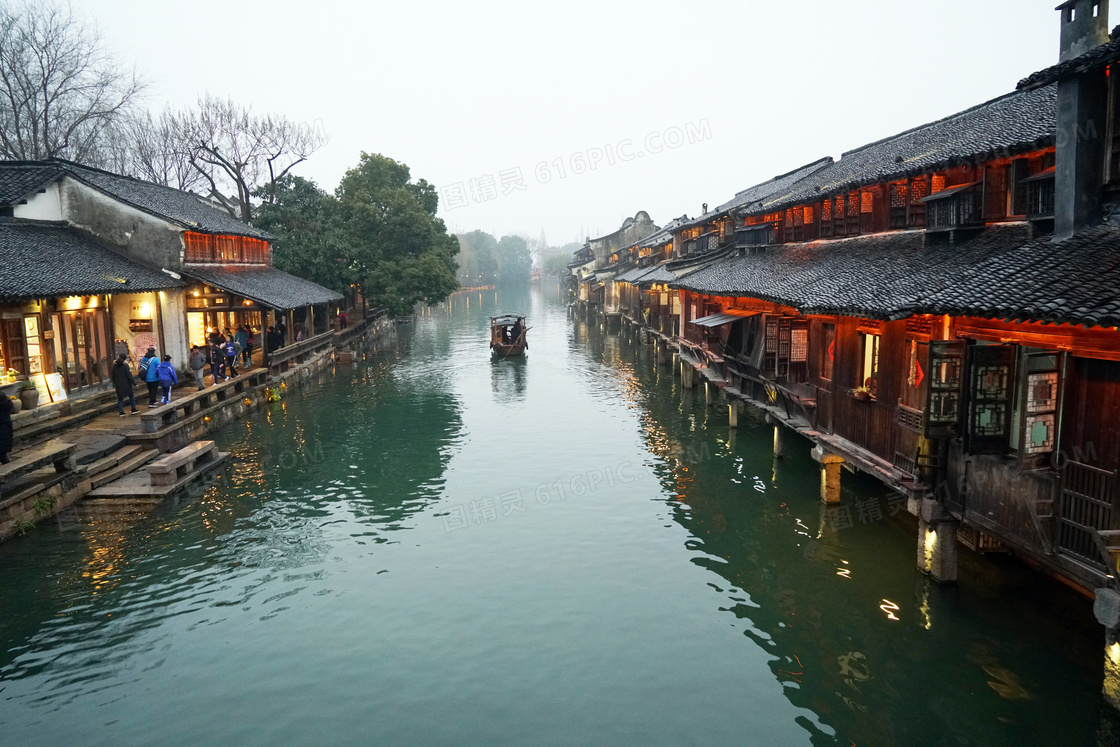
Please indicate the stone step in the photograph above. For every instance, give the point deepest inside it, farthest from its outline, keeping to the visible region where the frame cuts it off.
(112, 460)
(137, 484)
(133, 462)
(99, 447)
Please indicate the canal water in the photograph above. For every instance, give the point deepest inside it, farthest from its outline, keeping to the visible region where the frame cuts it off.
(432, 548)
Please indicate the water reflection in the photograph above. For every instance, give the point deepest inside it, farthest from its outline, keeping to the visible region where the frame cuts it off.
(849, 624)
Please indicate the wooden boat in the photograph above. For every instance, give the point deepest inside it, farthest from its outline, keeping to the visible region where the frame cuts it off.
(508, 335)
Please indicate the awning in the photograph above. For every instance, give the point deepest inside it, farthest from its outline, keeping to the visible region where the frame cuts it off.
(263, 284)
(948, 192)
(718, 320)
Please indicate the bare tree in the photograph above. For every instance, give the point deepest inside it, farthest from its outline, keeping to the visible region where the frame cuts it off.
(153, 149)
(232, 147)
(60, 90)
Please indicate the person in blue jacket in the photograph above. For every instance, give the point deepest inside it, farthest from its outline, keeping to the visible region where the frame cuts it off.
(148, 365)
(167, 377)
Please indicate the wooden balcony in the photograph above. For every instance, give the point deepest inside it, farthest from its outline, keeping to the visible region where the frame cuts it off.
(956, 207)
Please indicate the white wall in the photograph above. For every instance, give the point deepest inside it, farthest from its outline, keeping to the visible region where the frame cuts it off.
(173, 310)
(41, 206)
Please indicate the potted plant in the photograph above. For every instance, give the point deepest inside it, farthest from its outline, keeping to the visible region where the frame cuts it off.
(29, 395)
(862, 393)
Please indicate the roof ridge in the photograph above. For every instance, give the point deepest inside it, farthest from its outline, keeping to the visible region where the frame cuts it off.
(936, 122)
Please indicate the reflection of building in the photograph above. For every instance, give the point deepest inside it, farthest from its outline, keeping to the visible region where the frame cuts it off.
(94, 263)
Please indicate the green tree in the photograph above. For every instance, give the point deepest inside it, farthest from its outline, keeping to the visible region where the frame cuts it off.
(309, 243)
(514, 260)
(399, 250)
(478, 259)
(379, 232)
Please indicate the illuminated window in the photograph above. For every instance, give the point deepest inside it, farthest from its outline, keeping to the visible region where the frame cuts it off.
(869, 365)
(938, 184)
(826, 210)
(789, 219)
(919, 188)
(898, 195)
(808, 216)
(853, 205)
(867, 202)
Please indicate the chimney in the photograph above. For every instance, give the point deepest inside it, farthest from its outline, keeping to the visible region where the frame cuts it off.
(1084, 27)
(1081, 122)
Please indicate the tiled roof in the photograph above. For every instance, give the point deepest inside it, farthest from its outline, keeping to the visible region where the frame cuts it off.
(49, 260)
(1015, 123)
(883, 276)
(1076, 281)
(633, 275)
(746, 198)
(1105, 54)
(186, 209)
(660, 274)
(18, 179)
(263, 284)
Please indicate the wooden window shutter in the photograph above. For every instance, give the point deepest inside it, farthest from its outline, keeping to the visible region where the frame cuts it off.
(946, 388)
(991, 386)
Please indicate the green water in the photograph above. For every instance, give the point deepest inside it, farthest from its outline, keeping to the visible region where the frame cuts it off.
(430, 548)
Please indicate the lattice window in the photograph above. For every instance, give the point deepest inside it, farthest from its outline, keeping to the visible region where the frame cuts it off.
(919, 188)
(199, 247)
(853, 205)
(809, 216)
(938, 183)
(867, 202)
(826, 210)
(919, 327)
(839, 206)
(910, 419)
(870, 326)
(898, 195)
(789, 219)
(799, 345)
(771, 335)
(798, 217)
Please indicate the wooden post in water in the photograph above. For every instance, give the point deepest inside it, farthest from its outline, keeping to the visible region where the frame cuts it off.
(733, 413)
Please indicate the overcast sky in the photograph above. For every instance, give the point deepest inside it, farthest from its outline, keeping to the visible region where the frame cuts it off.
(484, 91)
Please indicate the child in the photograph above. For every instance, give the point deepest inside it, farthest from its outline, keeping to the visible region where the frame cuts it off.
(167, 379)
(231, 350)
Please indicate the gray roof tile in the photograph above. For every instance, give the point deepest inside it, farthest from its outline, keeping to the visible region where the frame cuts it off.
(263, 284)
(48, 260)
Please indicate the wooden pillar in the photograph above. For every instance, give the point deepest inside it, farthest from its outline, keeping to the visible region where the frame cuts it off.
(937, 542)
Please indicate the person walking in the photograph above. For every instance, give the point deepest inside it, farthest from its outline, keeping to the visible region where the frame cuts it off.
(247, 352)
(167, 379)
(124, 383)
(148, 365)
(241, 337)
(6, 431)
(217, 360)
(342, 318)
(231, 350)
(197, 364)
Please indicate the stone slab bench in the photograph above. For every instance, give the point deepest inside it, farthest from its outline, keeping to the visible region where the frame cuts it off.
(183, 406)
(55, 453)
(170, 468)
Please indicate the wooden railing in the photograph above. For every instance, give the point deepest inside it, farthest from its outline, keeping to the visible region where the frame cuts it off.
(1087, 498)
